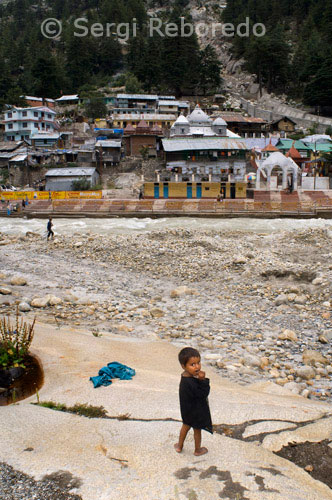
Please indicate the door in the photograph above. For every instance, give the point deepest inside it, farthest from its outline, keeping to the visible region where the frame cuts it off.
(232, 190)
(189, 190)
(156, 190)
(198, 190)
(165, 190)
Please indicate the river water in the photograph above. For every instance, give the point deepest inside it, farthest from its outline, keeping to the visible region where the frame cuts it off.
(122, 225)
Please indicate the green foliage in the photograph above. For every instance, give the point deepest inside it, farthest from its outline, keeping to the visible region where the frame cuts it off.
(294, 56)
(82, 409)
(144, 150)
(328, 130)
(296, 136)
(133, 86)
(81, 184)
(95, 107)
(15, 341)
(313, 129)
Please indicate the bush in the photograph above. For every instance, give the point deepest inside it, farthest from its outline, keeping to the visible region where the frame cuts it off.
(81, 184)
(15, 341)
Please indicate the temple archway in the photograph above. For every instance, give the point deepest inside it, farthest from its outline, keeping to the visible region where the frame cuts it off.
(277, 161)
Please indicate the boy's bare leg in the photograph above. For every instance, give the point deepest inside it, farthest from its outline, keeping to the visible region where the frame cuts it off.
(198, 440)
(183, 434)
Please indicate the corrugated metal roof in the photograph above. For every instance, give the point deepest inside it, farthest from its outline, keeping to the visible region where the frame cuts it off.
(288, 143)
(18, 158)
(31, 98)
(67, 98)
(170, 102)
(192, 144)
(44, 136)
(7, 155)
(143, 116)
(260, 142)
(70, 172)
(108, 144)
(166, 97)
(137, 96)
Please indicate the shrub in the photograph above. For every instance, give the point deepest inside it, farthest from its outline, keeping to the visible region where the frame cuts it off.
(81, 184)
(15, 341)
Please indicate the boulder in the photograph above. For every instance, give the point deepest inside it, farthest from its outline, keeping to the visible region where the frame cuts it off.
(18, 280)
(24, 307)
(300, 299)
(305, 372)
(251, 360)
(288, 335)
(53, 300)
(239, 259)
(281, 299)
(5, 291)
(40, 302)
(311, 357)
(182, 290)
(157, 313)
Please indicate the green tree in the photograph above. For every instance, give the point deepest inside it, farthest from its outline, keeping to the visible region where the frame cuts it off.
(319, 90)
(209, 74)
(95, 107)
(133, 85)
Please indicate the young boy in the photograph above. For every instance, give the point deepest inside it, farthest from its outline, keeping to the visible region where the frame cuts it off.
(194, 390)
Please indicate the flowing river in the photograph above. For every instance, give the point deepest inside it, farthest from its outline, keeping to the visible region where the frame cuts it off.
(122, 225)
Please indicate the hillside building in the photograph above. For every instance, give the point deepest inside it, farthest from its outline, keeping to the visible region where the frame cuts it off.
(23, 123)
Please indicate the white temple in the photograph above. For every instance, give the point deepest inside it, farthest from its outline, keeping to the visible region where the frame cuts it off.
(199, 124)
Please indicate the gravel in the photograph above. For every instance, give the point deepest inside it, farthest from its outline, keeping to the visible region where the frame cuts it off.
(15, 485)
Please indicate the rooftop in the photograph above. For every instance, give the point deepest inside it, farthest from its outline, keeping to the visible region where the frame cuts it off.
(202, 143)
(70, 172)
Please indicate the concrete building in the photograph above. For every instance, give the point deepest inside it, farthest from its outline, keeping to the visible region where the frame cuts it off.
(141, 138)
(202, 148)
(61, 179)
(22, 123)
(163, 121)
(108, 152)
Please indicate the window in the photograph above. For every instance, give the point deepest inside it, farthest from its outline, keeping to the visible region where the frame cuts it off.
(10, 115)
(49, 116)
(24, 125)
(45, 141)
(35, 113)
(24, 113)
(182, 131)
(35, 125)
(10, 125)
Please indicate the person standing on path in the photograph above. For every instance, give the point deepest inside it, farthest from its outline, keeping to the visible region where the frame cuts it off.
(194, 390)
(49, 229)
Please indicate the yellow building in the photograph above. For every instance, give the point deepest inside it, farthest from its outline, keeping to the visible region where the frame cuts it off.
(197, 190)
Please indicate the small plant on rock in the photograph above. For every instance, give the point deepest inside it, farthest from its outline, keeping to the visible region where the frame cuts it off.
(15, 341)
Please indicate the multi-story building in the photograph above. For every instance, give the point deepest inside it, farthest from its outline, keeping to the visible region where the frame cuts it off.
(23, 123)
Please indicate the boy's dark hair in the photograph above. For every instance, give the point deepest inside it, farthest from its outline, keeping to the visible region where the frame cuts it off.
(186, 353)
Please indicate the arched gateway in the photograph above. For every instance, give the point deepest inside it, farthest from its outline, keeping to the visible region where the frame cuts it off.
(287, 166)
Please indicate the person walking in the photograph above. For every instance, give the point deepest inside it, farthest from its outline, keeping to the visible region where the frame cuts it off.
(50, 233)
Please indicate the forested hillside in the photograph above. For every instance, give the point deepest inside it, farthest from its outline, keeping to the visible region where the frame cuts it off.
(295, 55)
(33, 64)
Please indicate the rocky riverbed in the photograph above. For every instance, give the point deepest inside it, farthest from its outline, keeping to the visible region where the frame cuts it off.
(257, 306)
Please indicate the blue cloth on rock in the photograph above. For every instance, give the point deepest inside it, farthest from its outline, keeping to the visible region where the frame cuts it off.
(112, 370)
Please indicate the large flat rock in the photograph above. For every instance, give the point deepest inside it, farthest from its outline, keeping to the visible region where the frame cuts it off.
(135, 458)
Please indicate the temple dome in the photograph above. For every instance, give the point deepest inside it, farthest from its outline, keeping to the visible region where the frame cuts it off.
(198, 116)
(181, 119)
(219, 121)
